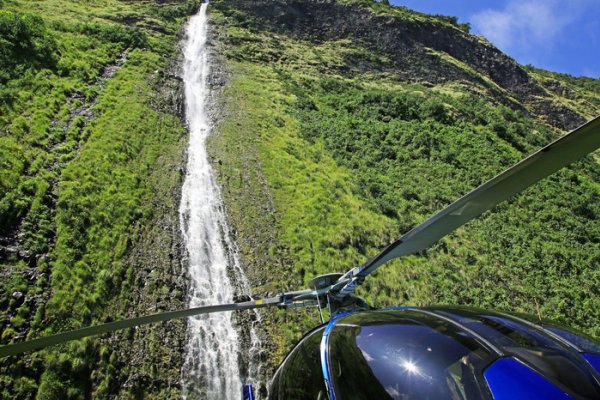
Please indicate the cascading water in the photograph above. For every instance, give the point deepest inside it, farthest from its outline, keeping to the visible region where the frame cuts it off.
(212, 361)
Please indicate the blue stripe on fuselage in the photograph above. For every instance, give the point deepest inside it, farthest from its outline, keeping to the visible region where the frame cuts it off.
(325, 354)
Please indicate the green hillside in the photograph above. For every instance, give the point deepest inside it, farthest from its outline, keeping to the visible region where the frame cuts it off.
(329, 150)
(90, 156)
(342, 124)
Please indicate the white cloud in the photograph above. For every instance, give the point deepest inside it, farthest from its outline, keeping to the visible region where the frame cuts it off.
(526, 24)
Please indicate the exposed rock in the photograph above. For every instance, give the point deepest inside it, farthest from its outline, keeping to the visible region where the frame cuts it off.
(557, 115)
(407, 43)
(17, 295)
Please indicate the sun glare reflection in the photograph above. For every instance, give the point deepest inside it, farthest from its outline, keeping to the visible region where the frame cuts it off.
(410, 367)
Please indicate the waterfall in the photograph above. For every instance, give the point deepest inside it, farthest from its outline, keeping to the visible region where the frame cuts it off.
(212, 367)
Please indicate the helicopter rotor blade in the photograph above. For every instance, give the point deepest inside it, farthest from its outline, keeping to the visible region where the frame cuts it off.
(513, 180)
(539, 165)
(293, 299)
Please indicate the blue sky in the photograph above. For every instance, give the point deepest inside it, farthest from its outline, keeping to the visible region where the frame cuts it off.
(558, 35)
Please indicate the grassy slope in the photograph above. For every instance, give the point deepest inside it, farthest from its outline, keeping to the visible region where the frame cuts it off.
(348, 161)
(80, 188)
(84, 153)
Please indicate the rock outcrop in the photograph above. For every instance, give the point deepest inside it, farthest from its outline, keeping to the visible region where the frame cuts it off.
(414, 46)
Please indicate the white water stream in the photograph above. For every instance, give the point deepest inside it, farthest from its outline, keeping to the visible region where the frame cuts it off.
(212, 367)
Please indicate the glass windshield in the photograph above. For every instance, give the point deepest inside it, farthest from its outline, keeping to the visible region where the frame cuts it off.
(388, 355)
(546, 355)
(581, 341)
(578, 339)
(300, 376)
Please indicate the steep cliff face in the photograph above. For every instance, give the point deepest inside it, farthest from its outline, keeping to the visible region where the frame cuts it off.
(419, 49)
(92, 138)
(342, 124)
(348, 122)
(148, 360)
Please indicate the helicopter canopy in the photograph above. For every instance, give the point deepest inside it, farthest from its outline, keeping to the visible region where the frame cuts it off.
(404, 355)
(440, 353)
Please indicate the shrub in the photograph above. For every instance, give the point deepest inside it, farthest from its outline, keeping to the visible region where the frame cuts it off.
(51, 387)
(129, 36)
(24, 44)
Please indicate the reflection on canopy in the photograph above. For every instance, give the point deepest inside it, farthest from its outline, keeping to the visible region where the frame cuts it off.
(389, 356)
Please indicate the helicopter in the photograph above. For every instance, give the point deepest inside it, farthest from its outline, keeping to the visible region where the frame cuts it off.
(419, 352)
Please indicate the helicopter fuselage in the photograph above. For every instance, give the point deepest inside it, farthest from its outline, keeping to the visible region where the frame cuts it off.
(439, 353)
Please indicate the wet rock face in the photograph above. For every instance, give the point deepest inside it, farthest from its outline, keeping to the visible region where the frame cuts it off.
(411, 45)
(150, 357)
(169, 95)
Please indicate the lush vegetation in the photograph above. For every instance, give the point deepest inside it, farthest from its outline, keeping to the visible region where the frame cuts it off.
(322, 164)
(349, 161)
(84, 132)
(412, 153)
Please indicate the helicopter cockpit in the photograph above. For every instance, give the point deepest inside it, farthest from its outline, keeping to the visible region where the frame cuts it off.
(438, 353)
